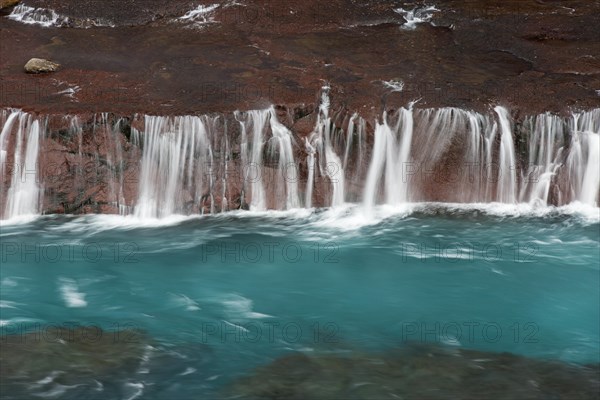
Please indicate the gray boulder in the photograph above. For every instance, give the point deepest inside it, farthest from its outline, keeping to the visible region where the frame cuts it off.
(39, 65)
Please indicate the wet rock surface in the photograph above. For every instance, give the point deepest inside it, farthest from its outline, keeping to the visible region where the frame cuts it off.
(175, 58)
(419, 372)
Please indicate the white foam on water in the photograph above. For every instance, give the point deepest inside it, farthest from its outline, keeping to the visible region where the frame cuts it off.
(71, 295)
(394, 85)
(47, 18)
(294, 213)
(352, 217)
(182, 300)
(70, 90)
(136, 389)
(417, 15)
(585, 211)
(50, 378)
(8, 282)
(56, 391)
(188, 371)
(37, 16)
(19, 220)
(15, 321)
(240, 307)
(8, 304)
(200, 15)
(93, 223)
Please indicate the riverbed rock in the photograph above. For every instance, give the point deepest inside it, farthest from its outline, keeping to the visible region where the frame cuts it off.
(427, 372)
(56, 358)
(39, 65)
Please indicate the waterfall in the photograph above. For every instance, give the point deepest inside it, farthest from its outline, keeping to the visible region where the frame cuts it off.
(591, 175)
(330, 164)
(187, 165)
(114, 159)
(584, 157)
(475, 184)
(257, 122)
(24, 195)
(310, 181)
(545, 151)
(391, 156)
(354, 153)
(335, 173)
(4, 136)
(507, 179)
(261, 153)
(177, 157)
(280, 148)
(205, 164)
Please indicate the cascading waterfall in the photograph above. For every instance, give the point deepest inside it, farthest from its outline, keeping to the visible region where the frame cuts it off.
(177, 156)
(591, 176)
(475, 183)
(114, 159)
(330, 165)
(584, 157)
(354, 156)
(545, 151)
(4, 136)
(260, 154)
(24, 195)
(196, 164)
(180, 170)
(280, 146)
(391, 156)
(507, 179)
(257, 122)
(310, 181)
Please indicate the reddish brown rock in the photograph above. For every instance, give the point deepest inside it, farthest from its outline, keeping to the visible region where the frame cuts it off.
(531, 55)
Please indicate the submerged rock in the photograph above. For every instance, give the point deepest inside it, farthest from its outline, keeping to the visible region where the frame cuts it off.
(79, 358)
(421, 372)
(87, 362)
(39, 65)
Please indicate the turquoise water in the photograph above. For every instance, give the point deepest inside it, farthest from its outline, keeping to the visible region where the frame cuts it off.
(218, 296)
